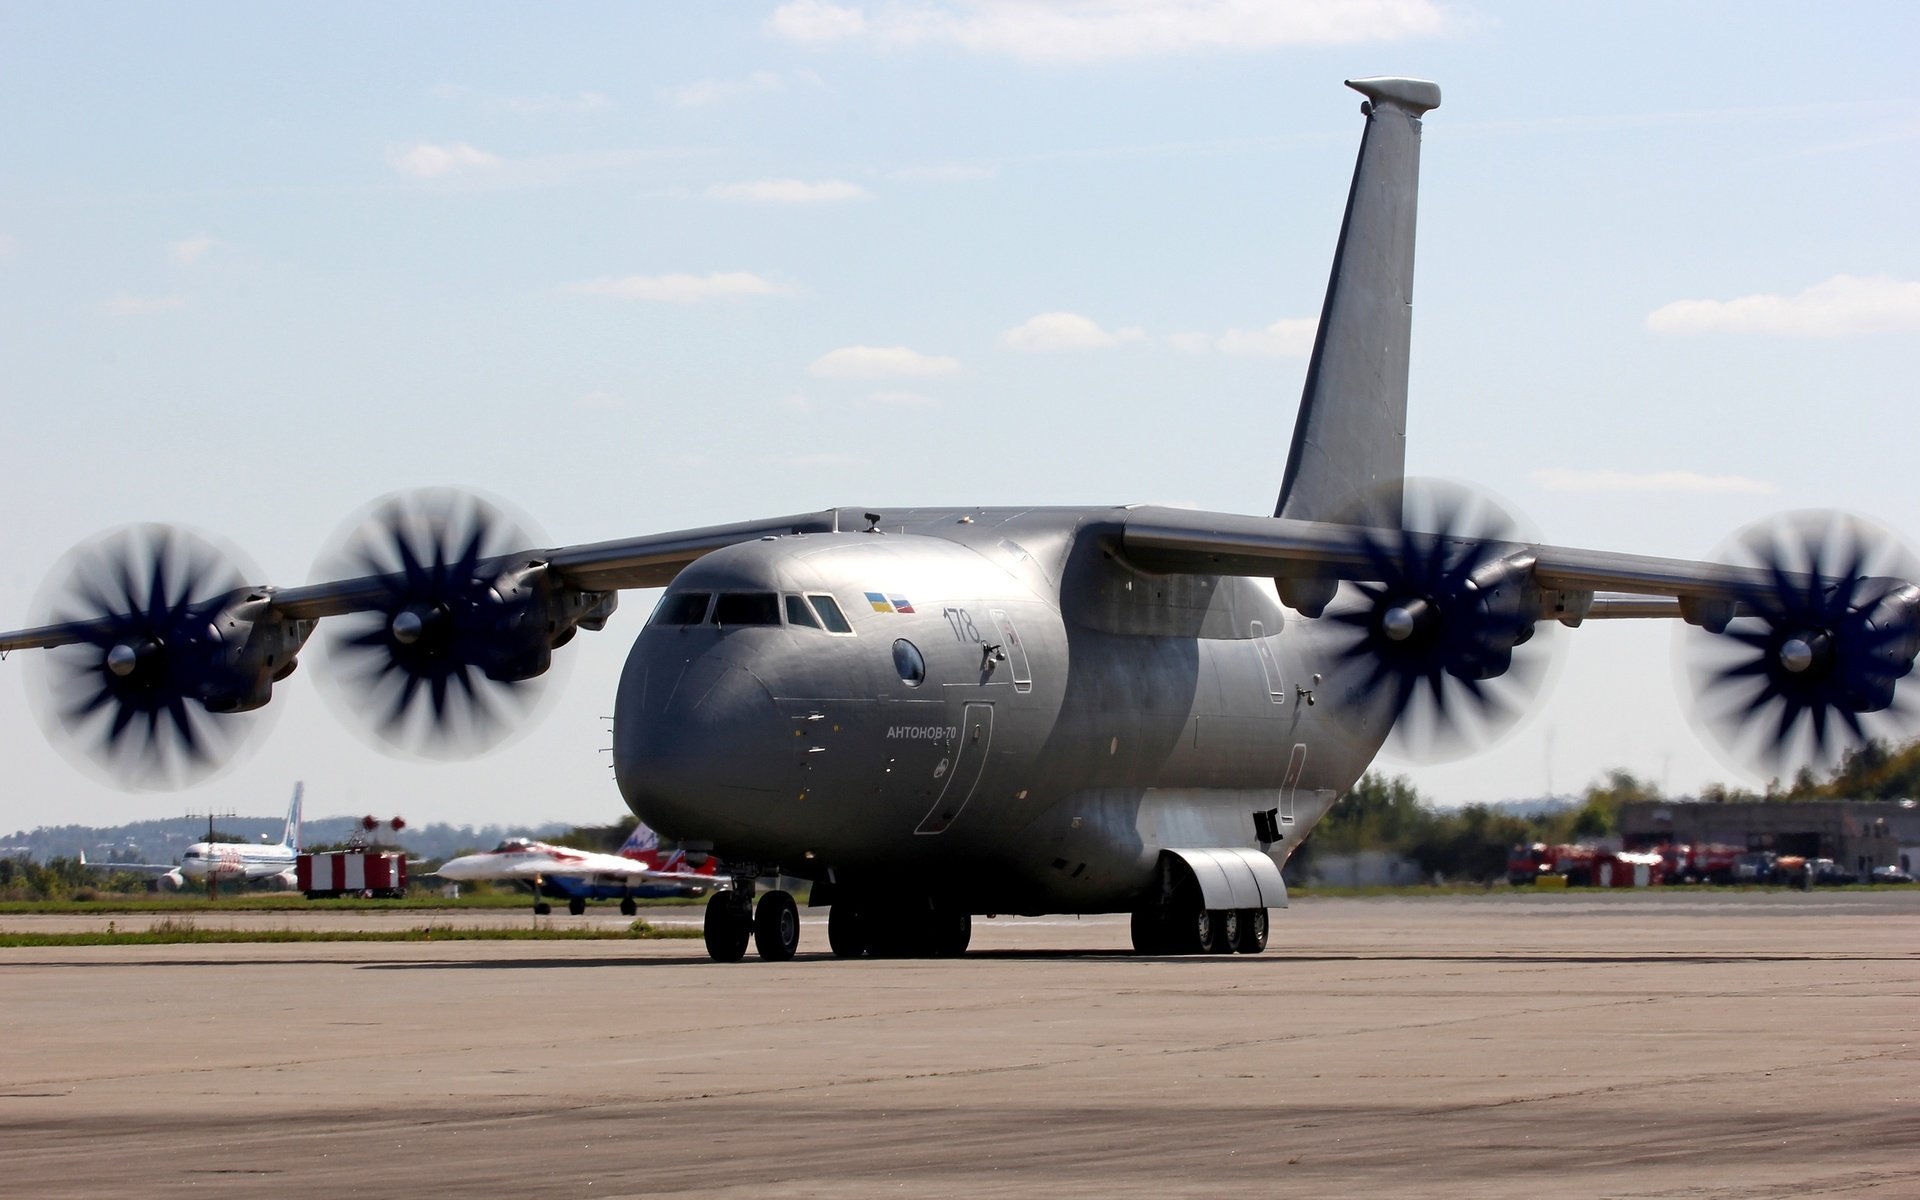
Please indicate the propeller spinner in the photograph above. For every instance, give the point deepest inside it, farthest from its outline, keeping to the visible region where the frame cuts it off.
(1442, 630)
(1809, 665)
(447, 663)
(157, 693)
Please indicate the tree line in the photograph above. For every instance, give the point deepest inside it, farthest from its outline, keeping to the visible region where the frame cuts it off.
(1471, 843)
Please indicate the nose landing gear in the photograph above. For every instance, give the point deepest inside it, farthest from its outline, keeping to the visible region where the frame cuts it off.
(732, 920)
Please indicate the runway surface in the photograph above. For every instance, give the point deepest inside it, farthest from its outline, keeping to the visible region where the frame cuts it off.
(1677, 1045)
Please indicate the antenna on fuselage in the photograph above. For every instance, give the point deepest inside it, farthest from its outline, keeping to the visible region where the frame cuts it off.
(873, 523)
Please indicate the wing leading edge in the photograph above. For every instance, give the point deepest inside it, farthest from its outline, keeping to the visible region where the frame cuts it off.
(1576, 584)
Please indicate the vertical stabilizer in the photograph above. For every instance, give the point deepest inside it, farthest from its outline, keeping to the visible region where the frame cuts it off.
(1349, 441)
(291, 836)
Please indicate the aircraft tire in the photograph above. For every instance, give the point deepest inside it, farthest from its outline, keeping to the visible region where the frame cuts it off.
(1253, 931)
(577, 906)
(1206, 931)
(727, 927)
(776, 927)
(1226, 929)
(949, 933)
(627, 907)
(541, 908)
(846, 931)
(1149, 931)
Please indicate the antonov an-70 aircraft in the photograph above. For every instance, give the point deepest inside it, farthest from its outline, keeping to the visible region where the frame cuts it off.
(933, 713)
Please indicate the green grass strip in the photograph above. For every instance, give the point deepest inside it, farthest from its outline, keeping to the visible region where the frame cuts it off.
(108, 904)
(175, 933)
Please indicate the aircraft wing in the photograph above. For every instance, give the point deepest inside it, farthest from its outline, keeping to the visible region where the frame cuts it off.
(1578, 584)
(651, 560)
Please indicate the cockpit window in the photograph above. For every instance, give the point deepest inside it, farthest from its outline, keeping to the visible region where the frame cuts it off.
(830, 614)
(746, 608)
(683, 608)
(799, 614)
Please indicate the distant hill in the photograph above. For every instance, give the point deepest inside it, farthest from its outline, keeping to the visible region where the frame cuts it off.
(162, 841)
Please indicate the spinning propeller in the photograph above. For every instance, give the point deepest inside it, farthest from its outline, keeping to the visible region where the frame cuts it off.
(445, 663)
(1440, 631)
(158, 691)
(1808, 665)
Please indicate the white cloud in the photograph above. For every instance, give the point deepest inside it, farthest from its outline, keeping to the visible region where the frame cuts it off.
(704, 92)
(1064, 331)
(681, 288)
(901, 399)
(813, 22)
(1095, 30)
(128, 305)
(1839, 306)
(1289, 337)
(425, 160)
(188, 251)
(881, 362)
(1566, 479)
(788, 191)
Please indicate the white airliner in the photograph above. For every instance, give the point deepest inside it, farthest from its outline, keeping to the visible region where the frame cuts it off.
(227, 862)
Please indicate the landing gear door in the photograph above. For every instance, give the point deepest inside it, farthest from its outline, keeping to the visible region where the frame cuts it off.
(1016, 651)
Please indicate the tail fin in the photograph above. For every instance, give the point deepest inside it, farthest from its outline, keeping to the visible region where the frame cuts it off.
(640, 841)
(292, 835)
(1349, 441)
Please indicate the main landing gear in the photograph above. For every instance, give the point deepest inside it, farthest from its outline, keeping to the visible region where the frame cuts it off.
(896, 931)
(733, 919)
(1189, 929)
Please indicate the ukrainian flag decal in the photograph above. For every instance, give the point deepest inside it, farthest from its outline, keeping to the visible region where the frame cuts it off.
(879, 602)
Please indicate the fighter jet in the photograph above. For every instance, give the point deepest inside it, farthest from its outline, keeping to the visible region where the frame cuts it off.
(542, 866)
(933, 713)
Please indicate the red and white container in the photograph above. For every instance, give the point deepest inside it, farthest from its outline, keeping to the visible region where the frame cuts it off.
(351, 873)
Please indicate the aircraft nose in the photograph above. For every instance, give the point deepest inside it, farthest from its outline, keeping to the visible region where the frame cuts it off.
(700, 752)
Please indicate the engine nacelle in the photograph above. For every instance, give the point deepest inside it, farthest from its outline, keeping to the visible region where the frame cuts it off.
(246, 651)
(1876, 644)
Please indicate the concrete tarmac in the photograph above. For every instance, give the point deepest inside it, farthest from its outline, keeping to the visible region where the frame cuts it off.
(1678, 1044)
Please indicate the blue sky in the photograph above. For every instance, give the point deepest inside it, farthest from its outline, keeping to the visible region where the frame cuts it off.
(641, 267)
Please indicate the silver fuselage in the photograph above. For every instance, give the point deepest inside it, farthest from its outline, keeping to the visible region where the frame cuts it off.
(1075, 717)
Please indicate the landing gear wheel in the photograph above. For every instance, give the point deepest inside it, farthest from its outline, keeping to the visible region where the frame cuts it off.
(628, 907)
(577, 906)
(1252, 937)
(541, 908)
(1209, 936)
(1149, 932)
(728, 927)
(1226, 930)
(949, 933)
(847, 931)
(776, 927)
